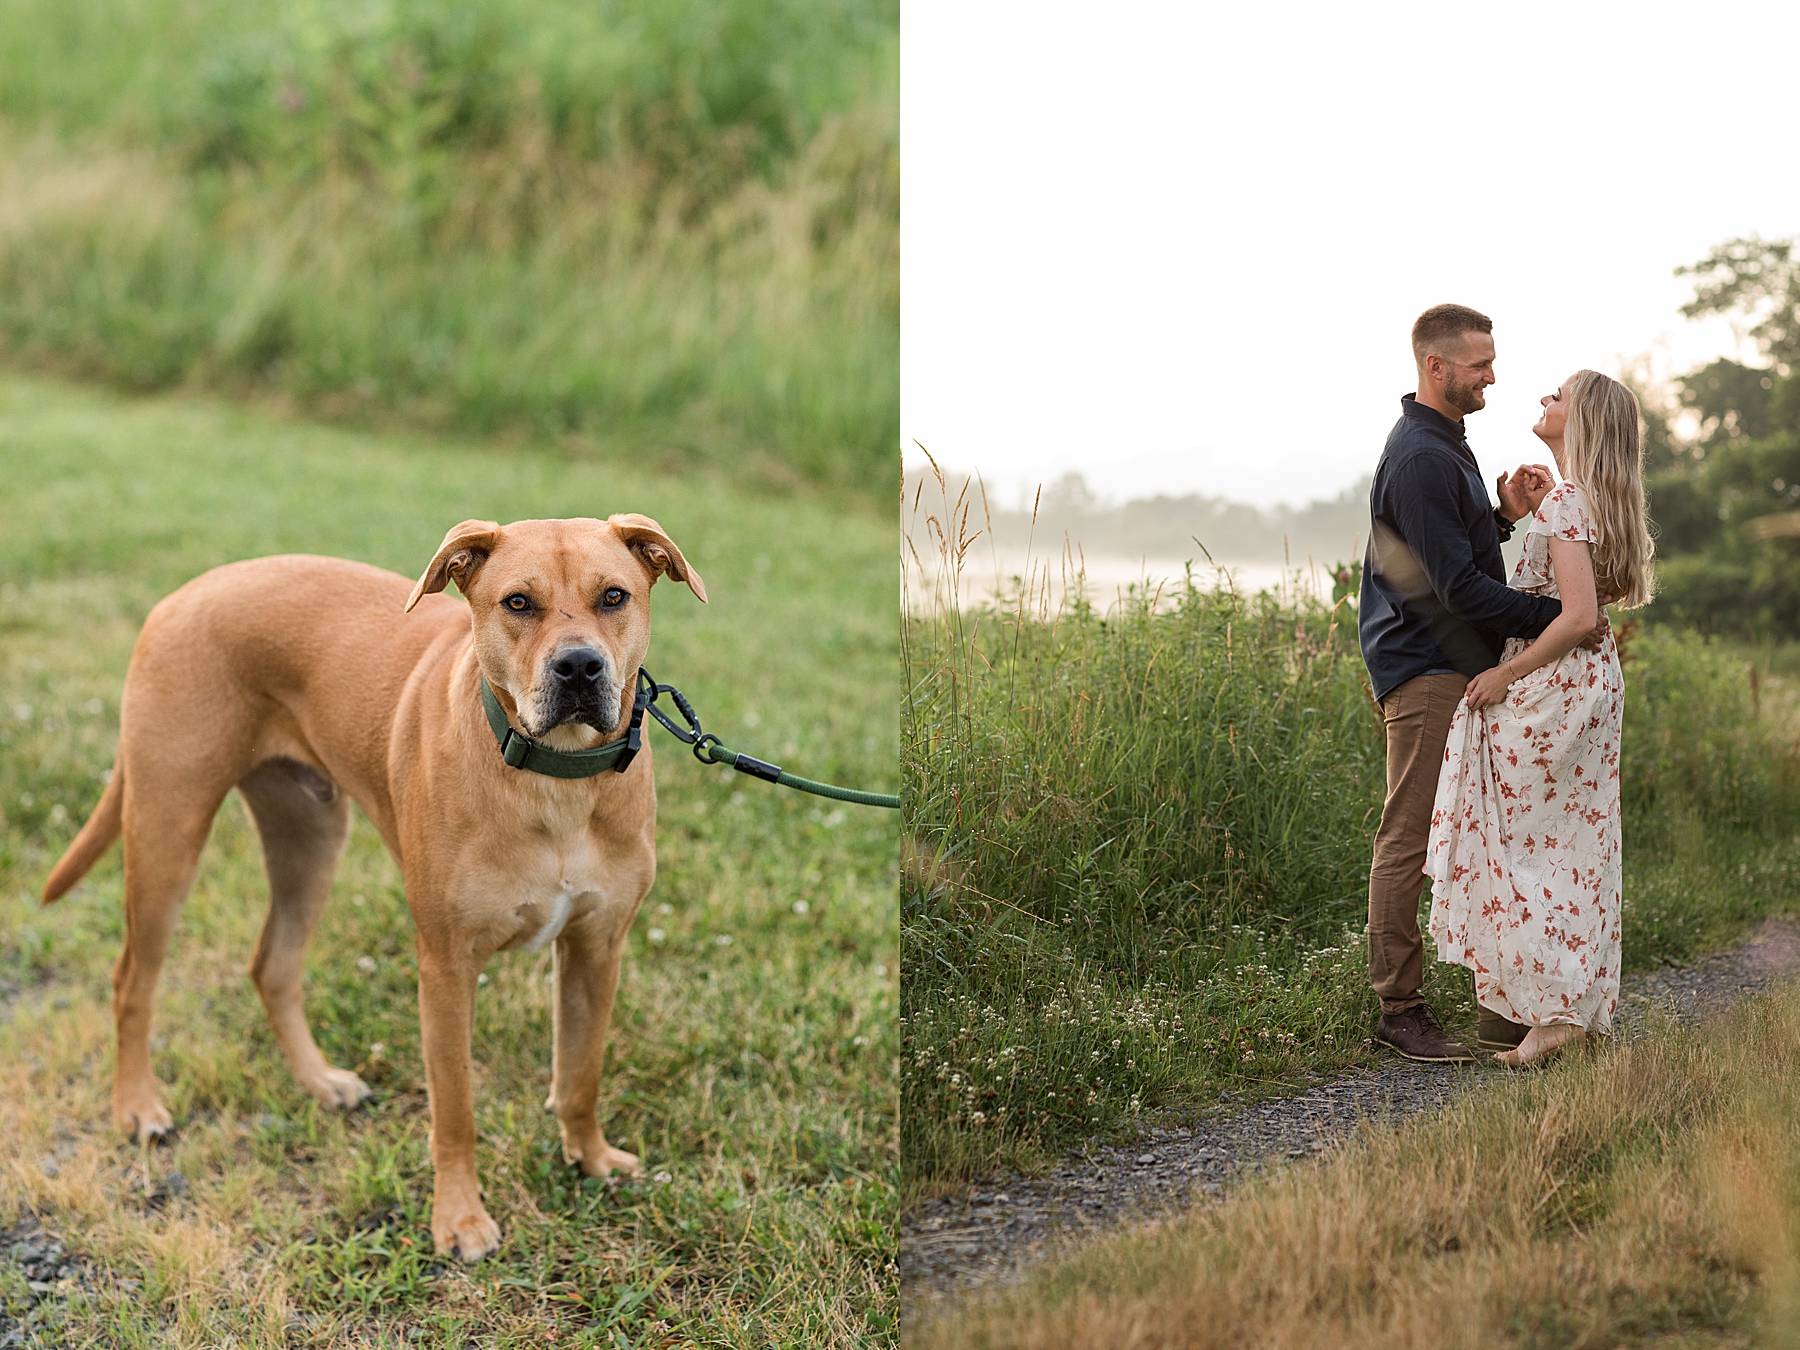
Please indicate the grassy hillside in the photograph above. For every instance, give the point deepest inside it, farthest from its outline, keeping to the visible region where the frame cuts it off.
(755, 1034)
(670, 226)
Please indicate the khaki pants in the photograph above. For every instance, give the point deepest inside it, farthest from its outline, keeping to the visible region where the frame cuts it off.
(1417, 716)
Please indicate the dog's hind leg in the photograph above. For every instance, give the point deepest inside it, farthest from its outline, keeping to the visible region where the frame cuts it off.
(303, 822)
(163, 839)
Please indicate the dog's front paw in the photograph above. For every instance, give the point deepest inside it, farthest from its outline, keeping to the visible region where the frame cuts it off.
(142, 1116)
(467, 1233)
(337, 1087)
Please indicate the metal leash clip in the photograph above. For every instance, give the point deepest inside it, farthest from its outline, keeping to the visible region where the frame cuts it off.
(709, 749)
(694, 737)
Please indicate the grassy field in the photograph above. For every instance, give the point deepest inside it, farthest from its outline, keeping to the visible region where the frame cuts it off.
(1647, 1194)
(753, 1062)
(664, 224)
(1142, 846)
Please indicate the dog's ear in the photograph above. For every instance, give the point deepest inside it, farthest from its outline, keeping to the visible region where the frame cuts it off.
(656, 550)
(458, 559)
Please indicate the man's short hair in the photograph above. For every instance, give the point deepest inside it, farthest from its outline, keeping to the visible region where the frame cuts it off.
(1440, 330)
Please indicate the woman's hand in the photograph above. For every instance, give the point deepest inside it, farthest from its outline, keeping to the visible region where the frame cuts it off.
(1488, 687)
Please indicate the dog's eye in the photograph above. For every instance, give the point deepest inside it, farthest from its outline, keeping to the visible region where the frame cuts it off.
(612, 597)
(518, 604)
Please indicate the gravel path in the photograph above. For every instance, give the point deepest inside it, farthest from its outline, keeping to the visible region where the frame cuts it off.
(992, 1235)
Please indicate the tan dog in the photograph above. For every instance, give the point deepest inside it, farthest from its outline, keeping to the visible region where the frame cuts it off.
(307, 682)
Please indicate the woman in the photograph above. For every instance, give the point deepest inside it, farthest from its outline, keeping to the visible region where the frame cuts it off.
(1524, 854)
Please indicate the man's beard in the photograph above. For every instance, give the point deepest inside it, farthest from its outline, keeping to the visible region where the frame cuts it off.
(1465, 398)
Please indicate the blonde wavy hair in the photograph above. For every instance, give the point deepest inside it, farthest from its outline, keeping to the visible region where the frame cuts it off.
(1604, 440)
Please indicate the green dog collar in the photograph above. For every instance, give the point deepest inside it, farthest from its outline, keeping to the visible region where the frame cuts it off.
(521, 752)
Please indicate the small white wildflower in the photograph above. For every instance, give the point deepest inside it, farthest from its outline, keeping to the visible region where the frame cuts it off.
(665, 908)
(26, 799)
(377, 1050)
(835, 819)
(657, 935)
(737, 799)
(366, 964)
(723, 940)
(859, 1040)
(58, 814)
(481, 978)
(800, 907)
(662, 1178)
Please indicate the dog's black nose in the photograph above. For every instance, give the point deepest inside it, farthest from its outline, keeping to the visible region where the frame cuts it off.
(577, 666)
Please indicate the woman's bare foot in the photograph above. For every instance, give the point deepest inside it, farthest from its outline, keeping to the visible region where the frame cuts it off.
(1540, 1043)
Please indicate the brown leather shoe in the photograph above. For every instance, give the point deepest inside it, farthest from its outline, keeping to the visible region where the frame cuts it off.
(1416, 1034)
(1494, 1032)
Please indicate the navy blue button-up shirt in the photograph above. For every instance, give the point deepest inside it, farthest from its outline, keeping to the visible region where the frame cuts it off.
(1434, 592)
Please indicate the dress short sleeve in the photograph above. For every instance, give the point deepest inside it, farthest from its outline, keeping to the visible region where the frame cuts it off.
(1569, 515)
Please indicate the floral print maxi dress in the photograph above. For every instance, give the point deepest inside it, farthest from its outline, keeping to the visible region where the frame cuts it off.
(1524, 852)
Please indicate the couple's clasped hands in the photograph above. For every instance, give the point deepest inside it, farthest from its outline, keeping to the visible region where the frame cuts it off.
(1522, 490)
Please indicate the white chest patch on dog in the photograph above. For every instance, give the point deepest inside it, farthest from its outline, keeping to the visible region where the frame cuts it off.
(560, 904)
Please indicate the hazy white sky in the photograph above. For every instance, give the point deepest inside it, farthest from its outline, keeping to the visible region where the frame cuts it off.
(1179, 247)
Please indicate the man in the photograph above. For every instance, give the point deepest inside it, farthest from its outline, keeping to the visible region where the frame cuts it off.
(1435, 611)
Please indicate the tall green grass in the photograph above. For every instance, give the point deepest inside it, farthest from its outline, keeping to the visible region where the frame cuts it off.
(1142, 835)
(668, 225)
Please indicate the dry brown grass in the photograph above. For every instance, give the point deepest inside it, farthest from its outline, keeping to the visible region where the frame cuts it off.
(1644, 1192)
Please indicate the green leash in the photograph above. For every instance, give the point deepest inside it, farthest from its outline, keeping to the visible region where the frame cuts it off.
(774, 773)
(521, 752)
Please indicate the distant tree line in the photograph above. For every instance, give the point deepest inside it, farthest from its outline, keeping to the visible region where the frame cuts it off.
(1182, 527)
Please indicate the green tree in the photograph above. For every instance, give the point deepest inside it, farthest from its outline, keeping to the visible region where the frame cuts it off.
(1726, 500)
(1755, 281)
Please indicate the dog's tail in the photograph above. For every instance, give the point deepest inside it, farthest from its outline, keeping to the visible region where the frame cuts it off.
(95, 838)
